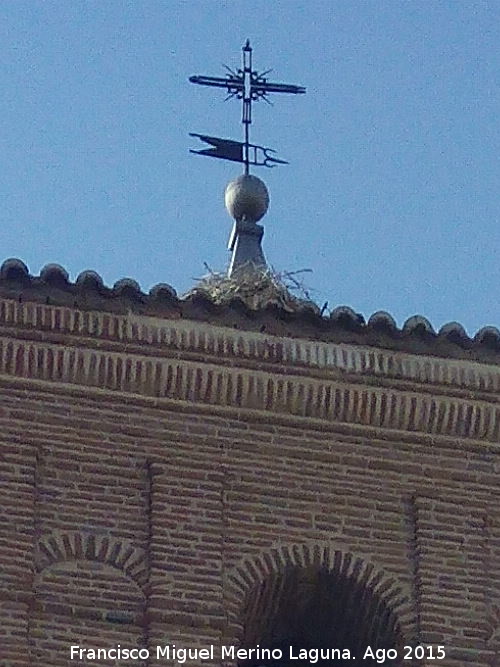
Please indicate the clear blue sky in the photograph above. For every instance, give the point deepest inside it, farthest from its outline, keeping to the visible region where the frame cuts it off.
(392, 192)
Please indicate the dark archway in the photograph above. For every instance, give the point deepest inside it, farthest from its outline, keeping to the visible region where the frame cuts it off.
(318, 608)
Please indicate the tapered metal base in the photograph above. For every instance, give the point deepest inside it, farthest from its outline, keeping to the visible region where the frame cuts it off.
(245, 245)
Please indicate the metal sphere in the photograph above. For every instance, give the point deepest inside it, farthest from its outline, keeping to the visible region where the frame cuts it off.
(246, 198)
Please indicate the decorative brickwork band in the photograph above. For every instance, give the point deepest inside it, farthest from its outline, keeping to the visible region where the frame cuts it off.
(225, 343)
(258, 390)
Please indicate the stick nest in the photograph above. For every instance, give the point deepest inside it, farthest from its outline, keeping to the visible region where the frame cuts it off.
(257, 288)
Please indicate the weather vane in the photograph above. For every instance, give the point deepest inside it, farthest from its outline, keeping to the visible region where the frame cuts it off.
(249, 86)
(246, 197)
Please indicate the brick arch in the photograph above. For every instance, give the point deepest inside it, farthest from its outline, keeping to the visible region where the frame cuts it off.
(254, 571)
(118, 553)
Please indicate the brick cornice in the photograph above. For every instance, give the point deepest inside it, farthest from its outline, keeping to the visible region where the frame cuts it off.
(223, 342)
(181, 360)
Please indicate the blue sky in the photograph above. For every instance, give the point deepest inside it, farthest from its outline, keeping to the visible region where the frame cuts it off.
(392, 192)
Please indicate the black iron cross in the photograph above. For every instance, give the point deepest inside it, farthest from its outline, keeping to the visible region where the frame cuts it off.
(249, 86)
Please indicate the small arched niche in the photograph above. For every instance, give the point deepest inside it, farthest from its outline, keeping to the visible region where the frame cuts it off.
(318, 608)
(88, 604)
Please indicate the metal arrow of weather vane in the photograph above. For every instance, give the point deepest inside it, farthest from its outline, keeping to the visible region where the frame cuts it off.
(249, 86)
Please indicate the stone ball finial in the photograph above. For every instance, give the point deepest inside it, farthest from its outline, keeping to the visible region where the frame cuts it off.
(246, 198)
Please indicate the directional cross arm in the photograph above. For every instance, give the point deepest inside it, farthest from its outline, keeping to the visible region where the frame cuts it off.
(262, 88)
(217, 82)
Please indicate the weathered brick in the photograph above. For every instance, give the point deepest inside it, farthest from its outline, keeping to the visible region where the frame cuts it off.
(139, 504)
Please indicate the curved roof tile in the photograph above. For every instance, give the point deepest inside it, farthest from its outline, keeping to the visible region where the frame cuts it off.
(382, 320)
(419, 325)
(89, 280)
(54, 274)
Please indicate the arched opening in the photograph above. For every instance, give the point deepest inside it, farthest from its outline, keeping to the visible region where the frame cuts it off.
(319, 608)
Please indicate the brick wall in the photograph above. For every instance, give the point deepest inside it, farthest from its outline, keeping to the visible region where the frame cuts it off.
(152, 484)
